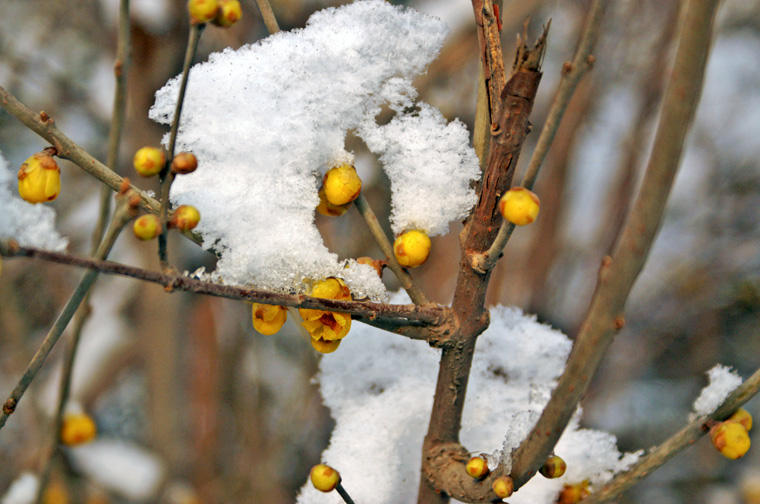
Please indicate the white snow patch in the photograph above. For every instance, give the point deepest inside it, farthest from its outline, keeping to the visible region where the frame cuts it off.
(723, 381)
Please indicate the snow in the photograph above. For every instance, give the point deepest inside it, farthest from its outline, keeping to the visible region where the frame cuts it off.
(379, 389)
(723, 381)
(121, 467)
(22, 491)
(267, 120)
(30, 225)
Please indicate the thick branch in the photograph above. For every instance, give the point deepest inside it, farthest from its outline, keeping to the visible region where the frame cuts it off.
(676, 444)
(427, 314)
(471, 318)
(617, 274)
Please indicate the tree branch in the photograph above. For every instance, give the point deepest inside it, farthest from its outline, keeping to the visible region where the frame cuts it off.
(676, 444)
(617, 274)
(375, 311)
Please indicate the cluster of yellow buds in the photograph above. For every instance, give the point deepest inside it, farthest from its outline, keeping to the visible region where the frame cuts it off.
(519, 206)
(77, 429)
(412, 248)
(341, 185)
(39, 178)
(222, 13)
(731, 437)
(268, 319)
(327, 328)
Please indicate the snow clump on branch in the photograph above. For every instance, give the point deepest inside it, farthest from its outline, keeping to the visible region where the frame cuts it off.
(267, 120)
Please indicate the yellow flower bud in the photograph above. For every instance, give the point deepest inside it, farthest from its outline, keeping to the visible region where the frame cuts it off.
(325, 346)
(519, 206)
(149, 161)
(477, 467)
(731, 439)
(228, 14)
(743, 417)
(55, 493)
(412, 248)
(147, 227)
(39, 178)
(268, 319)
(185, 218)
(573, 494)
(503, 486)
(184, 163)
(324, 478)
(324, 325)
(554, 467)
(328, 209)
(342, 184)
(202, 11)
(77, 429)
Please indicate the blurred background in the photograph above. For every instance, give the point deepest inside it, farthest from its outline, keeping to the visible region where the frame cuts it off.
(192, 405)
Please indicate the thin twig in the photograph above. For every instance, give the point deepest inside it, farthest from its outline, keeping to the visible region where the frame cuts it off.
(66, 148)
(415, 294)
(55, 332)
(676, 444)
(268, 16)
(571, 75)
(342, 491)
(120, 71)
(166, 175)
(617, 274)
(430, 314)
(124, 213)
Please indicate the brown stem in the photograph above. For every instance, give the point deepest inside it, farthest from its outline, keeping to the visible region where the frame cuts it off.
(471, 319)
(58, 327)
(268, 16)
(617, 274)
(415, 294)
(676, 444)
(411, 313)
(166, 175)
(121, 217)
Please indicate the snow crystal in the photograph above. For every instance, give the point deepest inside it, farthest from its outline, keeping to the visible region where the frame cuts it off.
(22, 491)
(267, 120)
(30, 225)
(121, 467)
(723, 381)
(380, 387)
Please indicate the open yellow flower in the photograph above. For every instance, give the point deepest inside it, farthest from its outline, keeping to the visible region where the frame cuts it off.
(324, 325)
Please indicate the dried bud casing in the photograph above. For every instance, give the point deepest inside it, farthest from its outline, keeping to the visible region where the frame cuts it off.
(184, 163)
